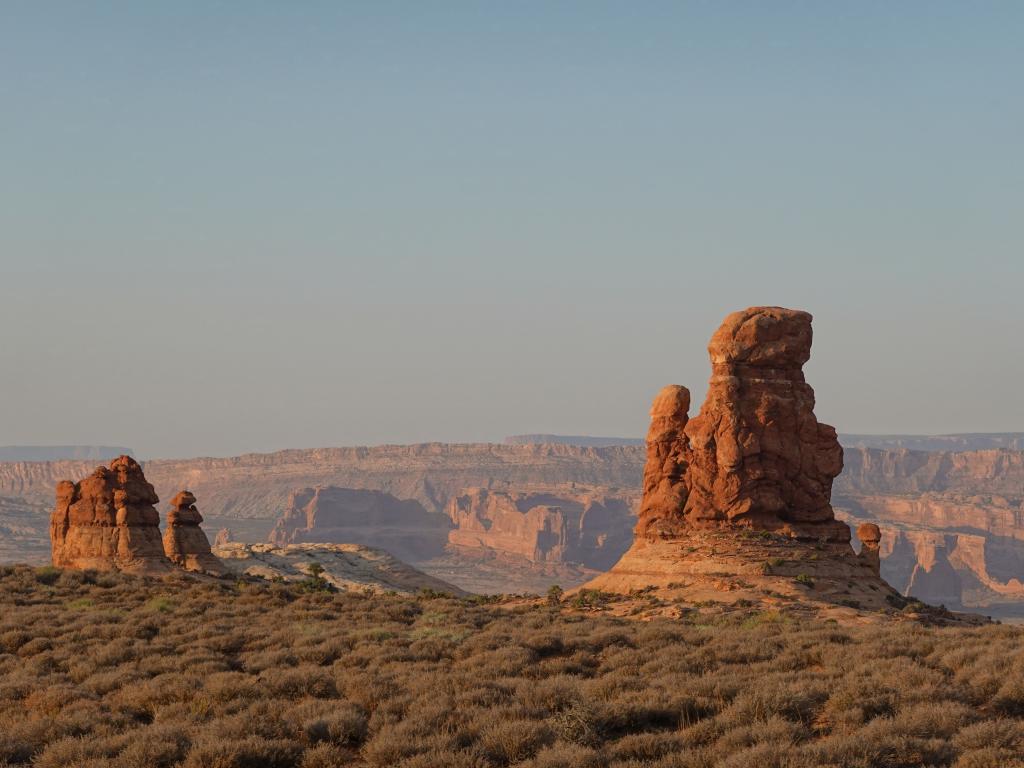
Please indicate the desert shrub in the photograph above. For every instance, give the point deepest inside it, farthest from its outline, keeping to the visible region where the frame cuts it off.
(249, 752)
(113, 671)
(507, 742)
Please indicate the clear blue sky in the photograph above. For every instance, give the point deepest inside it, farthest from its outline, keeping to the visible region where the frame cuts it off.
(232, 226)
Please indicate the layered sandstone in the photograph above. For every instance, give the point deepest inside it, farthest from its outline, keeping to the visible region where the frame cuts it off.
(23, 536)
(259, 485)
(329, 514)
(755, 456)
(108, 521)
(185, 544)
(571, 525)
(736, 502)
(935, 493)
(962, 553)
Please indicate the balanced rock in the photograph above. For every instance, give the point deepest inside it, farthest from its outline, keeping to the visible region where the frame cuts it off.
(185, 544)
(755, 456)
(108, 521)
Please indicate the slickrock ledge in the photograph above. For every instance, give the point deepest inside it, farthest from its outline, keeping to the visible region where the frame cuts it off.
(345, 566)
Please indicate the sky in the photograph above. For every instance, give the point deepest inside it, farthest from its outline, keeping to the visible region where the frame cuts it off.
(247, 226)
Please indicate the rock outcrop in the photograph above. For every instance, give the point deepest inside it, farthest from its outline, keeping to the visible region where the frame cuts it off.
(736, 503)
(345, 567)
(755, 456)
(108, 521)
(574, 525)
(328, 515)
(185, 544)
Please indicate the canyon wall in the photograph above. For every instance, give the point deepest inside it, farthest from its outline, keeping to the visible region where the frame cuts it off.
(960, 508)
(403, 527)
(259, 485)
(582, 526)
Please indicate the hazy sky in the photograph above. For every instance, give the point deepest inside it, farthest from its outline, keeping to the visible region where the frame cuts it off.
(235, 226)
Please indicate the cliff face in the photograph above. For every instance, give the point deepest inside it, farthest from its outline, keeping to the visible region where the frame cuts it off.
(568, 526)
(23, 532)
(872, 470)
(963, 552)
(259, 485)
(372, 518)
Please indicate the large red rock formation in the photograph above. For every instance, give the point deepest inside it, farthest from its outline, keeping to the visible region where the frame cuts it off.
(185, 544)
(736, 500)
(108, 521)
(755, 456)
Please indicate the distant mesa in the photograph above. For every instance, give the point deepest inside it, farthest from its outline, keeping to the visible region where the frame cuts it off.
(62, 452)
(584, 441)
(108, 521)
(967, 441)
(736, 500)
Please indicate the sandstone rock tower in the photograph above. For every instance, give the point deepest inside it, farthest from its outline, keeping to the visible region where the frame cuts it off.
(108, 521)
(185, 544)
(755, 456)
(737, 499)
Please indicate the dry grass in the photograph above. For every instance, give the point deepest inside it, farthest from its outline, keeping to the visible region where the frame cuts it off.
(108, 670)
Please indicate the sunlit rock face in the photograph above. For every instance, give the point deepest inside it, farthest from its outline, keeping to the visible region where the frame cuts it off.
(108, 521)
(754, 456)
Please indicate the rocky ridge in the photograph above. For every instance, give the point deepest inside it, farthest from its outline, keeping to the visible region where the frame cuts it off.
(345, 566)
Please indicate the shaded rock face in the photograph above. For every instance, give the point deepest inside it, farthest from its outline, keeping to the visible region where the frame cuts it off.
(591, 529)
(108, 521)
(755, 456)
(184, 542)
(372, 518)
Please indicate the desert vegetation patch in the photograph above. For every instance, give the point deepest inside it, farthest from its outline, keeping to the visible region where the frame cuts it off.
(116, 670)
